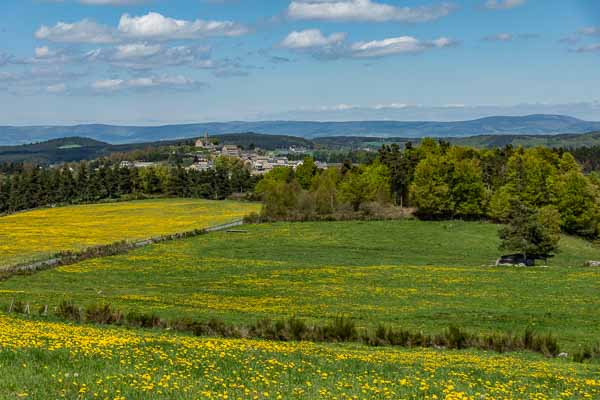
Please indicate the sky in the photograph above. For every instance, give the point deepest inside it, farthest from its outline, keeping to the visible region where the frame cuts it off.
(150, 62)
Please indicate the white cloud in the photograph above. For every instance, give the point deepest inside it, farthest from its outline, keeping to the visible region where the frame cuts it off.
(590, 31)
(84, 31)
(335, 46)
(364, 10)
(158, 27)
(140, 56)
(503, 4)
(136, 50)
(178, 82)
(44, 52)
(397, 45)
(46, 55)
(500, 37)
(508, 37)
(592, 48)
(58, 88)
(152, 26)
(39, 79)
(311, 38)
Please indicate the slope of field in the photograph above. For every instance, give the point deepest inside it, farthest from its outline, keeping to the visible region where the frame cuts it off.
(41, 360)
(418, 275)
(38, 234)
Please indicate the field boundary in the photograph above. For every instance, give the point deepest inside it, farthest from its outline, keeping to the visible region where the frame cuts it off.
(112, 249)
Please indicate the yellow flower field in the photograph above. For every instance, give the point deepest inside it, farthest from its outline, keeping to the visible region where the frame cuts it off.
(42, 360)
(37, 234)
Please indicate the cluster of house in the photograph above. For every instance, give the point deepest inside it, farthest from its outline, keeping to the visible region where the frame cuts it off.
(259, 162)
(137, 164)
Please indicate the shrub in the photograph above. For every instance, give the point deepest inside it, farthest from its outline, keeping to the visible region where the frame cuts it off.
(252, 218)
(68, 310)
(216, 327)
(18, 307)
(456, 338)
(297, 328)
(547, 345)
(143, 320)
(341, 329)
(103, 314)
(587, 353)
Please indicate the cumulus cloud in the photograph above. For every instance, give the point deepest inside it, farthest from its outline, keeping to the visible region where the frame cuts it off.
(335, 45)
(225, 68)
(158, 27)
(178, 82)
(397, 45)
(311, 38)
(503, 4)
(84, 31)
(48, 79)
(152, 26)
(140, 56)
(364, 10)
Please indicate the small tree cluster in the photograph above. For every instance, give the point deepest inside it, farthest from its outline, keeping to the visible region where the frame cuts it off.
(443, 181)
(308, 192)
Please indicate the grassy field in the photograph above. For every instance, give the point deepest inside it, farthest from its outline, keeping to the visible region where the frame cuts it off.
(42, 360)
(38, 234)
(411, 274)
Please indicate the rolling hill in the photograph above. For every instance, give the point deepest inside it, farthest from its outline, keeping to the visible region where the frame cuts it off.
(70, 149)
(480, 141)
(527, 125)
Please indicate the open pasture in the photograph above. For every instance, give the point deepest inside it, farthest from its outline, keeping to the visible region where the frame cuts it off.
(410, 274)
(41, 360)
(41, 233)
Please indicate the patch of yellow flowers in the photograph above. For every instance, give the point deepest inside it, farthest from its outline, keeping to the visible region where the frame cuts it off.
(84, 362)
(36, 234)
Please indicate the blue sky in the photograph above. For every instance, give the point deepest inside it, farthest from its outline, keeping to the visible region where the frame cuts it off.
(171, 61)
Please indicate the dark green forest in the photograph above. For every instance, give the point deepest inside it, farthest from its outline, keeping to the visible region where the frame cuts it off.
(27, 187)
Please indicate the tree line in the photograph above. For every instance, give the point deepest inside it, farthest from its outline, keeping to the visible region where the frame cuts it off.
(27, 187)
(441, 181)
(587, 156)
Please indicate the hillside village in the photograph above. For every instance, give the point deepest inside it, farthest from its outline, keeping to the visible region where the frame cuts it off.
(257, 161)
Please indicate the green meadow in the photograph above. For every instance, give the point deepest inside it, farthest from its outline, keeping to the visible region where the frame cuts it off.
(47, 360)
(411, 274)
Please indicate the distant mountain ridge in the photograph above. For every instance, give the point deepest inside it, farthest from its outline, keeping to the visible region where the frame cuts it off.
(526, 125)
(79, 148)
